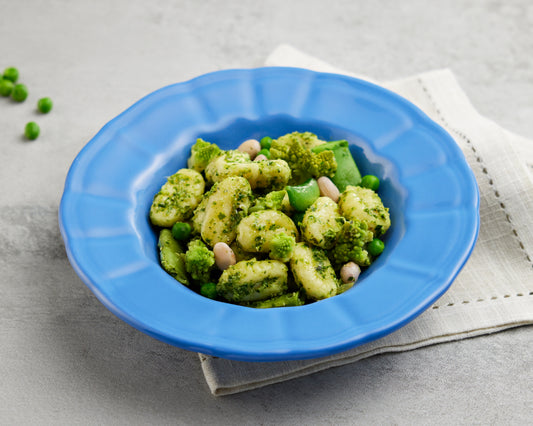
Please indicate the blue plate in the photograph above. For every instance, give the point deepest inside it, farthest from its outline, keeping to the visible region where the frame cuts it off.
(425, 180)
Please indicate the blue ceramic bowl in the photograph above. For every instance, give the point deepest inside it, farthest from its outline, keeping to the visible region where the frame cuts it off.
(425, 181)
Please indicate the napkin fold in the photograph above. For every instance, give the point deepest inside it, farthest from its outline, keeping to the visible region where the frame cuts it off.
(493, 292)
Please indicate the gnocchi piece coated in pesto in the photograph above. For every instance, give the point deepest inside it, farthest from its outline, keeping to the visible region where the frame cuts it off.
(313, 272)
(364, 205)
(244, 240)
(217, 216)
(253, 280)
(322, 223)
(255, 232)
(177, 199)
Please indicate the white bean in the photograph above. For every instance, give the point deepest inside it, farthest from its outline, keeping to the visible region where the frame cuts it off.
(350, 272)
(251, 147)
(328, 188)
(224, 256)
(261, 157)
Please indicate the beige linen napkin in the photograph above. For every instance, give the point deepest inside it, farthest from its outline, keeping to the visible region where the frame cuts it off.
(494, 291)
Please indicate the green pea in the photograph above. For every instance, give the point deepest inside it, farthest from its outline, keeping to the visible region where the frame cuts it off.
(45, 105)
(20, 92)
(265, 152)
(11, 74)
(181, 231)
(6, 87)
(376, 247)
(370, 182)
(209, 290)
(302, 196)
(266, 142)
(32, 130)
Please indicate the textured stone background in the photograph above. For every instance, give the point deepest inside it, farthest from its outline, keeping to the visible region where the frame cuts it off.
(64, 359)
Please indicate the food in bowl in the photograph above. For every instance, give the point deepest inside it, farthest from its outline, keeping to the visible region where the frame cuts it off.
(274, 223)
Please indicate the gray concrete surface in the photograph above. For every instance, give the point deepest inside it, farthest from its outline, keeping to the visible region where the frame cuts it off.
(64, 359)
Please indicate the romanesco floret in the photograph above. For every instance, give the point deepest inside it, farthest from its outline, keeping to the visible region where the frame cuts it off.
(303, 162)
(202, 153)
(322, 164)
(271, 201)
(310, 140)
(199, 260)
(282, 246)
(350, 245)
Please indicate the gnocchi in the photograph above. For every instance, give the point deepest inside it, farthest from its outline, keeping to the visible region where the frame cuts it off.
(255, 232)
(249, 241)
(177, 198)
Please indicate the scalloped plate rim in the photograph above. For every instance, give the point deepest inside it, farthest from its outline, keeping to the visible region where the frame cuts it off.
(229, 350)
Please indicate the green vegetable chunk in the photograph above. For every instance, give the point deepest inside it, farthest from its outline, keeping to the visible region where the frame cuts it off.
(45, 105)
(32, 130)
(252, 280)
(6, 87)
(295, 149)
(282, 247)
(347, 172)
(350, 246)
(11, 74)
(199, 261)
(20, 93)
(202, 153)
(172, 257)
(302, 196)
